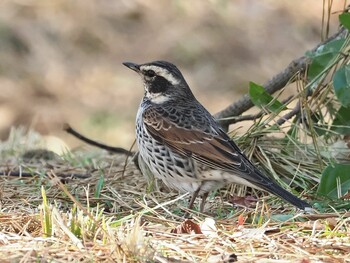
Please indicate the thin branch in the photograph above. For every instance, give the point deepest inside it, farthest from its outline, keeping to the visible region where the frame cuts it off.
(33, 174)
(112, 149)
(289, 115)
(249, 117)
(276, 83)
(325, 216)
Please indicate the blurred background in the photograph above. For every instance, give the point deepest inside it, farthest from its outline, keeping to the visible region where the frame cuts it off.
(60, 60)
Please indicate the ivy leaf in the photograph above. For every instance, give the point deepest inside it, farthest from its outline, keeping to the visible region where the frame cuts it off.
(341, 122)
(262, 99)
(341, 84)
(345, 20)
(323, 56)
(335, 178)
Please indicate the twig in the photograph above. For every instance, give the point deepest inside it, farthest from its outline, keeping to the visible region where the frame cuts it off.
(289, 115)
(325, 215)
(112, 149)
(32, 174)
(276, 83)
(250, 117)
(134, 159)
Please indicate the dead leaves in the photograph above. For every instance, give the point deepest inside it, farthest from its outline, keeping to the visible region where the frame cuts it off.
(319, 225)
(207, 228)
(187, 227)
(241, 230)
(243, 201)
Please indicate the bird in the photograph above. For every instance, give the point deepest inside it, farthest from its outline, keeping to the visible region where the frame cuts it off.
(182, 144)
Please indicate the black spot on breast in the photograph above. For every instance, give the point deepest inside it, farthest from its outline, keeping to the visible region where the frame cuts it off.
(179, 164)
(179, 174)
(156, 150)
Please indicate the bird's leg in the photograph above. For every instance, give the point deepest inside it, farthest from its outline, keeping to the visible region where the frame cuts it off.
(204, 198)
(194, 196)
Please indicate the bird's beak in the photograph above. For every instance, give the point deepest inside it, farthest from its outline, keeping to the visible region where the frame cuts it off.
(133, 66)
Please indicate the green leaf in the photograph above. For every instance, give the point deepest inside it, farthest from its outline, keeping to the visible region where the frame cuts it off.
(345, 20)
(341, 122)
(323, 56)
(99, 186)
(282, 217)
(46, 215)
(333, 46)
(261, 98)
(341, 84)
(335, 177)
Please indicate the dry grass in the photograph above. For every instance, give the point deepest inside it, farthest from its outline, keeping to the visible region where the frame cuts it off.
(110, 217)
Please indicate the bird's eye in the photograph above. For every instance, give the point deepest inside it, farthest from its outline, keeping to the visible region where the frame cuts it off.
(150, 73)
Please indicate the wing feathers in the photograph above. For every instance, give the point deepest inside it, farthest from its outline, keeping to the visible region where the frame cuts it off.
(207, 148)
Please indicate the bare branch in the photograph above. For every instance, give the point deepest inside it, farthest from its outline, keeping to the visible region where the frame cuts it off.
(289, 115)
(112, 149)
(250, 117)
(64, 176)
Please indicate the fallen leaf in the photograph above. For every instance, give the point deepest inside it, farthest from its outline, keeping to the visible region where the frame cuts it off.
(252, 233)
(223, 258)
(305, 260)
(187, 227)
(346, 196)
(243, 201)
(241, 219)
(339, 149)
(331, 222)
(208, 227)
(309, 225)
(347, 140)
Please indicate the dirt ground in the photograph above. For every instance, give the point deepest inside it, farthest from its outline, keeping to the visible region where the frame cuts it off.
(60, 60)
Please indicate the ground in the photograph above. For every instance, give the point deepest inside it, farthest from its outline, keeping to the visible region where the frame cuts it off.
(94, 206)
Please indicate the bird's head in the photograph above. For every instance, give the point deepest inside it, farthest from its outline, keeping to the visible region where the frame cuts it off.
(162, 80)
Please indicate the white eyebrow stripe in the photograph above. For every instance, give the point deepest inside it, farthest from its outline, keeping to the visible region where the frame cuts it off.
(162, 72)
(158, 98)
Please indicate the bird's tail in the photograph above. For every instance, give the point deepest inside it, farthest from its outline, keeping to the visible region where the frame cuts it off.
(270, 186)
(275, 189)
(257, 180)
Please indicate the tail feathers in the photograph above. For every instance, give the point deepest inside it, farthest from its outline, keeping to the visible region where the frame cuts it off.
(275, 189)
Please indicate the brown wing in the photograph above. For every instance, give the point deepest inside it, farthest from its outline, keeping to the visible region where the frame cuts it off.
(208, 146)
